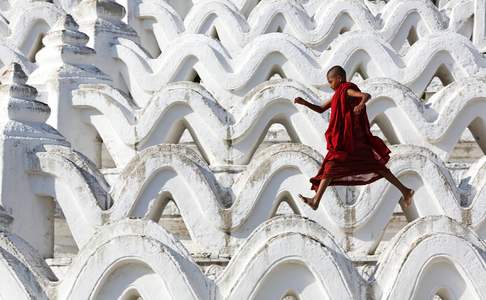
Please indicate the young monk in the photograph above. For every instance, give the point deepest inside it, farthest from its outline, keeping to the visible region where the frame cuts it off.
(355, 156)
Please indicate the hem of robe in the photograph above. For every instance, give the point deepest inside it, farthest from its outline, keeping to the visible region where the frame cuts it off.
(361, 176)
(316, 180)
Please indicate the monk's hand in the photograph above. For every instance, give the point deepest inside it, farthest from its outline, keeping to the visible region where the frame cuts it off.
(359, 108)
(299, 100)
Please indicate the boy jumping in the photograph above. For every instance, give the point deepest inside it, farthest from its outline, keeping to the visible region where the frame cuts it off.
(355, 156)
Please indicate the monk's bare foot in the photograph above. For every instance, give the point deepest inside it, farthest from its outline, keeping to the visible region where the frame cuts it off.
(309, 201)
(407, 198)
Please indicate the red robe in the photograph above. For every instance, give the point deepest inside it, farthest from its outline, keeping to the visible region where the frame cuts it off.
(354, 154)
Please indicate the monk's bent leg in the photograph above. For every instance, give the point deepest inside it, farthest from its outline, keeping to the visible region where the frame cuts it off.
(406, 192)
(320, 191)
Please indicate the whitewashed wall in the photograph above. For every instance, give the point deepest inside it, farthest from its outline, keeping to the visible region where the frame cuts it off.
(116, 115)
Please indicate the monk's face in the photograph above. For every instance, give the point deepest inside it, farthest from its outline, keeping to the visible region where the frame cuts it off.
(334, 80)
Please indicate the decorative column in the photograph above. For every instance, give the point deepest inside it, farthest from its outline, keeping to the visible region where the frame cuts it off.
(64, 64)
(102, 21)
(23, 127)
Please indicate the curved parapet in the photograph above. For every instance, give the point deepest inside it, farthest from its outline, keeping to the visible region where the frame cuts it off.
(224, 20)
(401, 115)
(170, 171)
(75, 183)
(377, 9)
(361, 224)
(133, 258)
(227, 75)
(164, 172)
(432, 256)
(24, 274)
(438, 124)
(290, 245)
(181, 105)
(30, 22)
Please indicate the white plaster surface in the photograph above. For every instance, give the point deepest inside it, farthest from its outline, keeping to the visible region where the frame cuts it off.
(151, 149)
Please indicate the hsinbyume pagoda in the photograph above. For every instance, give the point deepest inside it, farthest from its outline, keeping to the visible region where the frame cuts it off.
(152, 149)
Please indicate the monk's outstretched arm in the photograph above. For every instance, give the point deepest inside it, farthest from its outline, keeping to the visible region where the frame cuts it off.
(314, 107)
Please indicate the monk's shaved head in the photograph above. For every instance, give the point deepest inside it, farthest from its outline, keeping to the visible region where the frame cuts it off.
(335, 71)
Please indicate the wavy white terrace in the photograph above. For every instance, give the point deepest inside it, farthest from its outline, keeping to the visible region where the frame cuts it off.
(446, 55)
(401, 22)
(229, 76)
(210, 210)
(150, 179)
(161, 20)
(151, 149)
(154, 264)
(126, 129)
